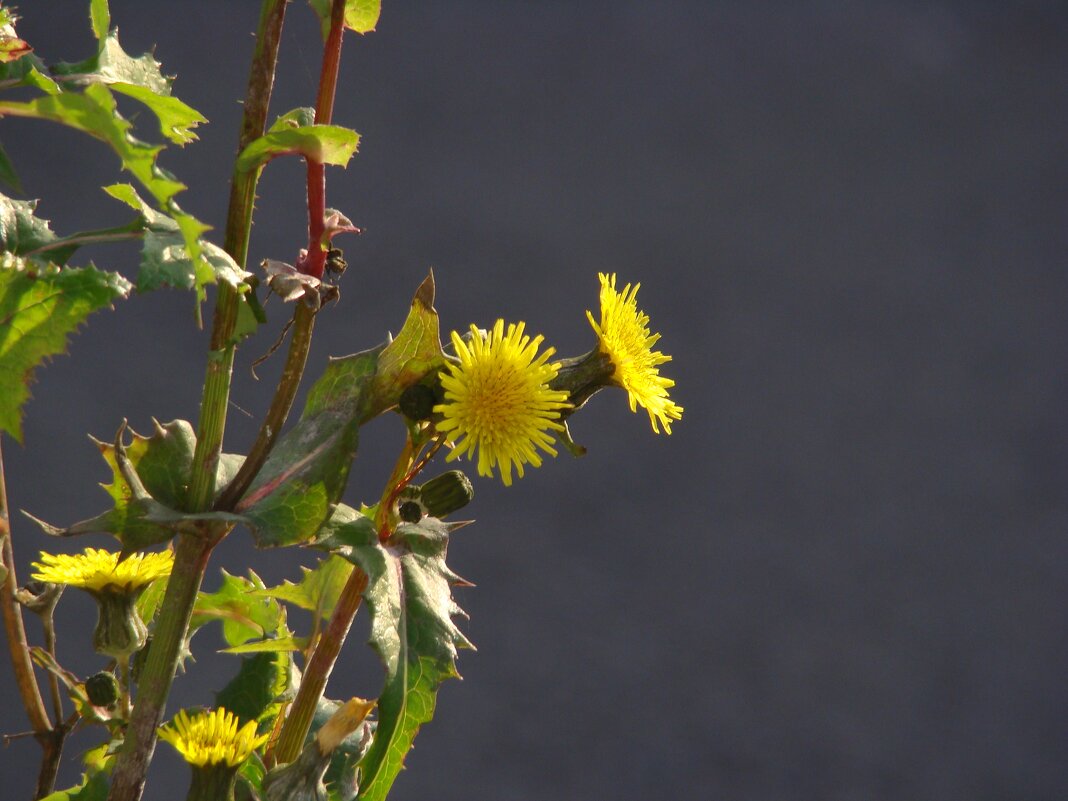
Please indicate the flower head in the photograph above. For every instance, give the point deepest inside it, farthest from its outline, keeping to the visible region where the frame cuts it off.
(625, 339)
(212, 738)
(98, 571)
(498, 401)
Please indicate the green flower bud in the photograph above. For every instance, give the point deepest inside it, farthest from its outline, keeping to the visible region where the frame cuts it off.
(119, 628)
(446, 493)
(410, 511)
(102, 689)
(417, 402)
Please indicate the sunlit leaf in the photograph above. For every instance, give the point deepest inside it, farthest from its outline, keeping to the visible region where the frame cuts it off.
(244, 614)
(40, 306)
(409, 594)
(319, 588)
(295, 132)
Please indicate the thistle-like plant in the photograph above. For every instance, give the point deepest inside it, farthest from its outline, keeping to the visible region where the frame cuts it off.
(496, 396)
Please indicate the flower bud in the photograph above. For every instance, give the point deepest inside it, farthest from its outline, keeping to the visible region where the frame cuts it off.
(446, 493)
(102, 689)
(417, 402)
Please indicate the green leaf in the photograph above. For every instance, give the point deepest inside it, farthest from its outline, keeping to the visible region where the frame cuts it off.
(176, 119)
(273, 645)
(319, 588)
(139, 78)
(94, 785)
(181, 261)
(8, 175)
(414, 354)
(295, 132)
(166, 260)
(27, 235)
(303, 478)
(301, 481)
(100, 17)
(244, 614)
(254, 693)
(40, 306)
(360, 15)
(410, 599)
(146, 513)
(112, 64)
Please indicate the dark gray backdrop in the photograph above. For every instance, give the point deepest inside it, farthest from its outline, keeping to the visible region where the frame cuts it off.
(844, 576)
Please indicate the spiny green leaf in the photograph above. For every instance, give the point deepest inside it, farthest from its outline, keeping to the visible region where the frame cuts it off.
(410, 599)
(27, 235)
(319, 588)
(165, 257)
(100, 17)
(295, 132)
(185, 262)
(360, 15)
(245, 616)
(415, 353)
(147, 514)
(40, 306)
(112, 64)
(176, 119)
(94, 112)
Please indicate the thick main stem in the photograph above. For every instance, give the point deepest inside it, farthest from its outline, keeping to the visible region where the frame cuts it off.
(193, 550)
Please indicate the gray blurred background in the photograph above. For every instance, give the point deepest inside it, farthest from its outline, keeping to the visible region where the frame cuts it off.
(845, 574)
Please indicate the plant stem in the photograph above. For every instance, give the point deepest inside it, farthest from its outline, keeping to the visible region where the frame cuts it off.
(303, 317)
(313, 682)
(192, 551)
(297, 357)
(25, 679)
(298, 722)
(190, 560)
(49, 738)
(324, 113)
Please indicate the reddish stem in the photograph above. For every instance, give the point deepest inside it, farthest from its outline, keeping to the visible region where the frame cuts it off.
(324, 112)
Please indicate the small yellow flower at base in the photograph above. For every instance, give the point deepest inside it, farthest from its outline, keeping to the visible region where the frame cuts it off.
(625, 338)
(498, 401)
(97, 570)
(212, 738)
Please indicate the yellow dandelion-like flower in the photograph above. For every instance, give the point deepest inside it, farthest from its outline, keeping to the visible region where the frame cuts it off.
(498, 401)
(625, 339)
(212, 738)
(98, 571)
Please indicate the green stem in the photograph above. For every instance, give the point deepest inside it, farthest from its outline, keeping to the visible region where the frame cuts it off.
(303, 325)
(190, 561)
(299, 720)
(192, 551)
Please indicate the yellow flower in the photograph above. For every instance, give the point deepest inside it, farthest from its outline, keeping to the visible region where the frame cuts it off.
(625, 339)
(212, 738)
(498, 401)
(98, 571)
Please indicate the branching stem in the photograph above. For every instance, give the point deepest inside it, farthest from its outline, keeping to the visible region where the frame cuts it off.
(193, 550)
